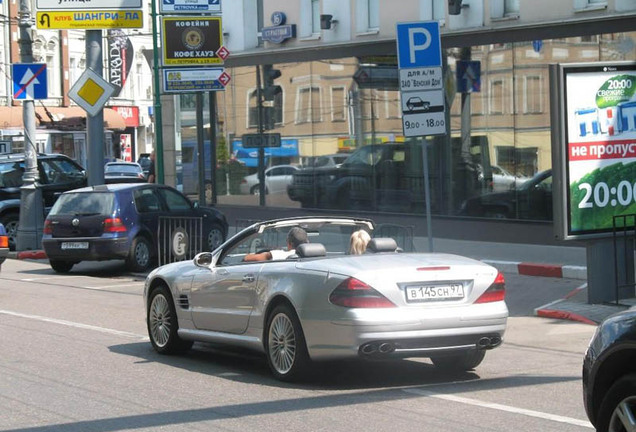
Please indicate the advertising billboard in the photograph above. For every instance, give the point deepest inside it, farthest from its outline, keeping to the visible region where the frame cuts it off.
(595, 147)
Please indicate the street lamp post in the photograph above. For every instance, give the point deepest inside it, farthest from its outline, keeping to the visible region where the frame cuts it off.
(29, 235)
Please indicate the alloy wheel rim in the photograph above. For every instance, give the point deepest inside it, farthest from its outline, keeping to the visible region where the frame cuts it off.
(624, 416)
(282, 343)
(159, 320)
(12, 231)
(142, 254)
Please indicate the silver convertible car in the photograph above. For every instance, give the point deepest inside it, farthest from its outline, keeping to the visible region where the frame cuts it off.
(322, 303)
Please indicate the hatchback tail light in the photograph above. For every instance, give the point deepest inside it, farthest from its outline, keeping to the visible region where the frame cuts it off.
(113, 225)
(4, 241)
(353, 293)
(48, 227)
(495, 292)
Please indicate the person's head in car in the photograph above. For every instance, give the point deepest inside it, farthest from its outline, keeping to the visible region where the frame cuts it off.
(295, 237)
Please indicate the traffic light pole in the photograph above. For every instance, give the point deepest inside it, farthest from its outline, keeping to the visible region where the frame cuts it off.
(261, 150)
(30, 225)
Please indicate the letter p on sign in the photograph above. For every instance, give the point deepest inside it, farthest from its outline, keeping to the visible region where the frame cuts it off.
(419, 44)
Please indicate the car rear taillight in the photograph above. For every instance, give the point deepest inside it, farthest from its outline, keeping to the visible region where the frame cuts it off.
(4, 241)
(48, 227)
(353, 293)
(113, 225)
(495, 292)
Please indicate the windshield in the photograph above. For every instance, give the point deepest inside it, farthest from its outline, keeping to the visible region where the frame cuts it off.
(83, 203)
(121, 168)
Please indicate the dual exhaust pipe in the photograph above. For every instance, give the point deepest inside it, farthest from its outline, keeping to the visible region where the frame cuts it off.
(377, 348)
(489, 342)
(385, 348)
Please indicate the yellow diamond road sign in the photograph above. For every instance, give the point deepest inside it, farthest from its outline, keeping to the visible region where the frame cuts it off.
(91, 92)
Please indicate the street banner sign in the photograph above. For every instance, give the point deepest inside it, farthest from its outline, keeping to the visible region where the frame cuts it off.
(192, 40)
(468, 74)
(89, 20)
(90, 4)
(29, 81)
(261, 140)
(91, 92)
(421, 79)
(190, 6)
(185, 80)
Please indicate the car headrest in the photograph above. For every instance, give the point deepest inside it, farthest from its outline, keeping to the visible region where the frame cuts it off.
(311, 250)
(382, 244)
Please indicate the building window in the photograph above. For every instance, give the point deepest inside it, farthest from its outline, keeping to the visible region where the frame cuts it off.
(315, 16)
(392, 104)
(338, 104)
(584, 4)
(496, 97)
(308, 106)
(252, 109)
(367, 16)
(278, 109)
(532, 95)
(511, 7)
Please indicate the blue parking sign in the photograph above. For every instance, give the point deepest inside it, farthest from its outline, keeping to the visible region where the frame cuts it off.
(419, 44)
(29, 81)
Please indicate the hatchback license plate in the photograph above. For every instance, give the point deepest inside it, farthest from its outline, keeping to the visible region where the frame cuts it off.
(420, 293)
(74, 245)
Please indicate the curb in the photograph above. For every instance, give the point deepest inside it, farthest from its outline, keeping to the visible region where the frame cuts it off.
(544, 270)
(31, 254)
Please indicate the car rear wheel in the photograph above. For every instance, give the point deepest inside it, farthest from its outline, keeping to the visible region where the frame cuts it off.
(139, 256)
(618, 409)
(61, 266)
(459, 362)
(286, 348)
(215, 237)
(163, 325)
(10, 222)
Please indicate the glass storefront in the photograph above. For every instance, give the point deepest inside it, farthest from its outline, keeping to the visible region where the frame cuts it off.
(341, 127)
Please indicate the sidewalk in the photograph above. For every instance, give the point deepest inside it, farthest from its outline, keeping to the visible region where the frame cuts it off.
(523, 259)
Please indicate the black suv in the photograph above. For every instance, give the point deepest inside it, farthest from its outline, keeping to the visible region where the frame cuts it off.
(58, 173)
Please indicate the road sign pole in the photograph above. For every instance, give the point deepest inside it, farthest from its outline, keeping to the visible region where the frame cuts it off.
(158, 147)
(261, 150)
(29, 235)
(95, 124)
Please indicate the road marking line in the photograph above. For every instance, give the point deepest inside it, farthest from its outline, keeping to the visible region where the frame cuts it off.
(76, 325)
(49, 278)
(499, 407)
(113, 286)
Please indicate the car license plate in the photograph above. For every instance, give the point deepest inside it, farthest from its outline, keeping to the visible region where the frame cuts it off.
(74, 245)
(421, 293)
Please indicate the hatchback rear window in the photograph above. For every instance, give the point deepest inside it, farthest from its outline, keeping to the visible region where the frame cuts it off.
(84, 204)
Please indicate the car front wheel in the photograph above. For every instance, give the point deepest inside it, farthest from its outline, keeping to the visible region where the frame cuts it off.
(286, 348)
(215, 237)
(618, 409)
(163, 325)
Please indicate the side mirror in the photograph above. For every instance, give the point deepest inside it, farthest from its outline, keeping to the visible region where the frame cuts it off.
(203, 259)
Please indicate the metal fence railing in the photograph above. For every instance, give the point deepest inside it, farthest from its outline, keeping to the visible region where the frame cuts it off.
(624, 235)
(179, 238)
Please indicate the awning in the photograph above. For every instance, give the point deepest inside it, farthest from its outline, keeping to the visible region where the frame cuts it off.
(66, 118)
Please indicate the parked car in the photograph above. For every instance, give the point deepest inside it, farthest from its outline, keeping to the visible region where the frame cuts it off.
(388, 176)
(503, 180)
(531, 200)
(609, 374)
(324, 304)
(123, 172)
(4, 244)
(276, 180)
(120, 221)
(58, 173)
(145, 162)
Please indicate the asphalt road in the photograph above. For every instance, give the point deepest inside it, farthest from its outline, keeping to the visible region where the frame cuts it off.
(75, 357)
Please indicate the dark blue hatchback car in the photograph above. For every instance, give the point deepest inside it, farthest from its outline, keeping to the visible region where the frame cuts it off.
(121, 221)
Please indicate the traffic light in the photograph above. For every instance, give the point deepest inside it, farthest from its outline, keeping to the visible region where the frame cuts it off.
(454, 7)
(271, 91)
